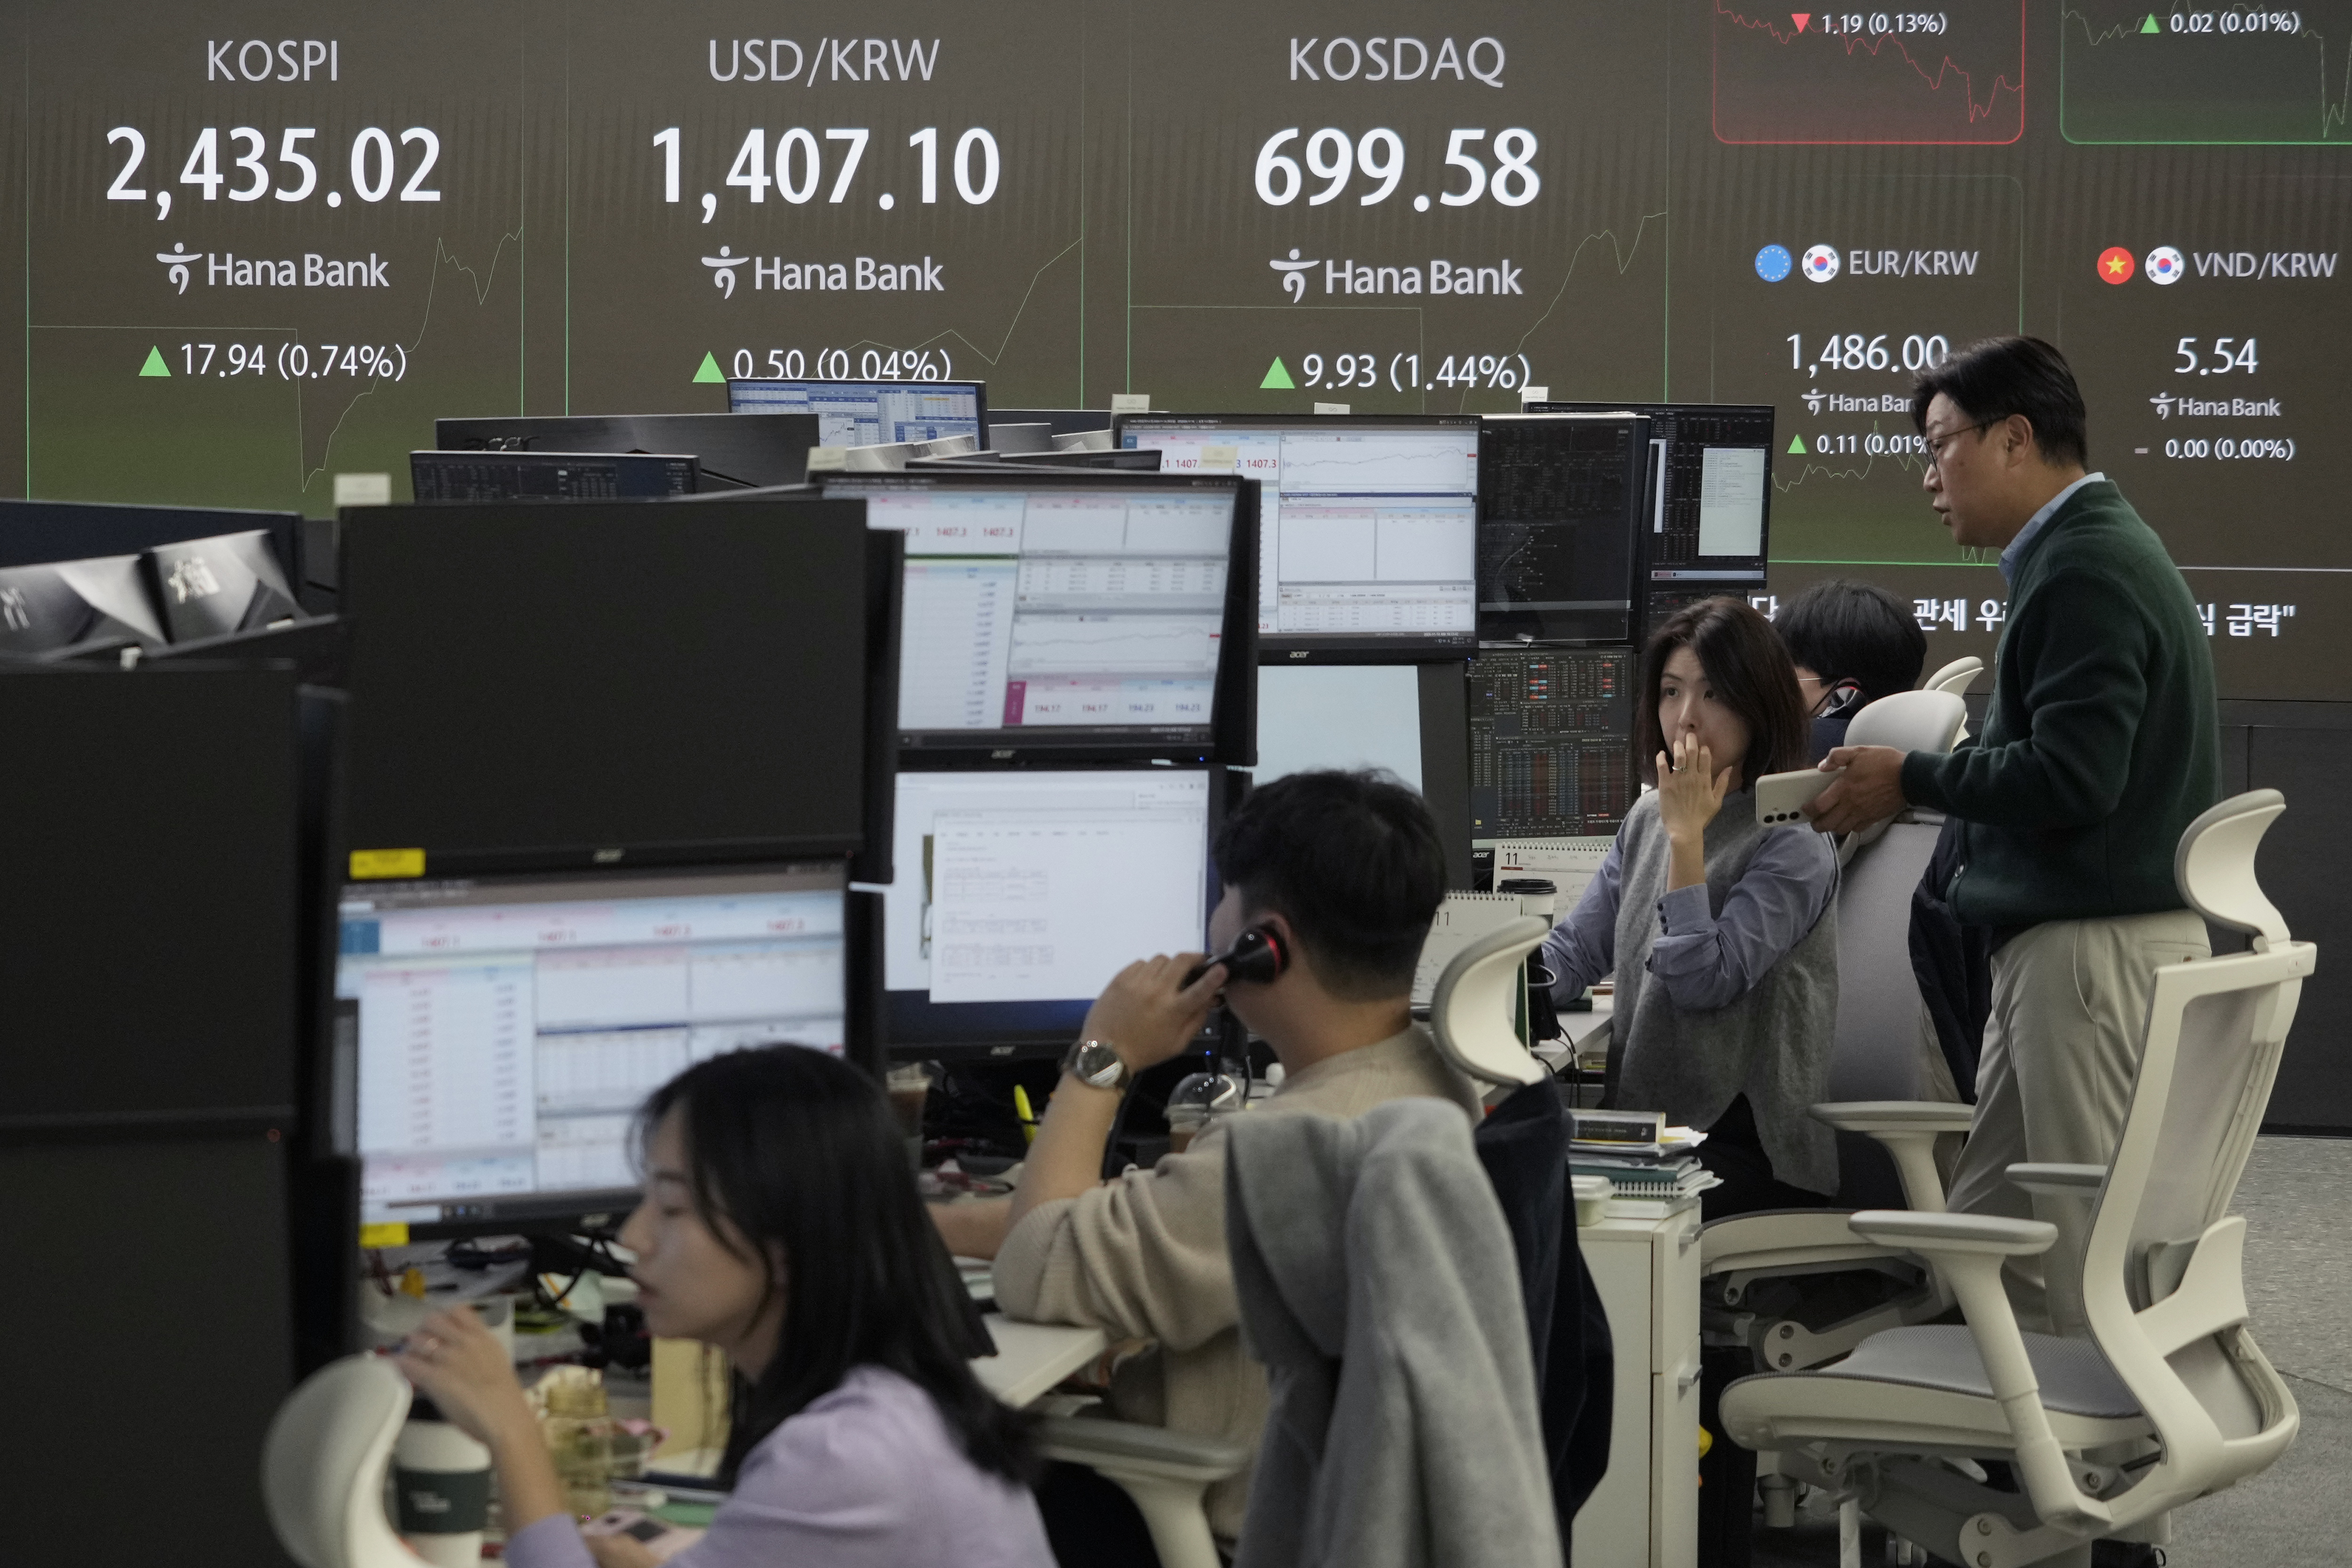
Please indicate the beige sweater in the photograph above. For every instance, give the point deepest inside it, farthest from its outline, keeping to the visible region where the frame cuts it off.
(1144, 1257)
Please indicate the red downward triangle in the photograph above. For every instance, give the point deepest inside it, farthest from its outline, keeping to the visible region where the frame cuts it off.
(1800, 18)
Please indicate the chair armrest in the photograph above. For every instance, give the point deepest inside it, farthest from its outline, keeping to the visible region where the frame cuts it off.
(1967, 1250)
(1908, 1128)
(1878, 1116)
(2059, 1181)
(1135, 1447)
(1954, 1233)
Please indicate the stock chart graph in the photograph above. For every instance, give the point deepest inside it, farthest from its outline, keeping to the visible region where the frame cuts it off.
(1882, 78)
(2236, 75)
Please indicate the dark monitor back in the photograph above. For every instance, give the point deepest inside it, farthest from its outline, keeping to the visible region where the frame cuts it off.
(174, 1351)
(1065, 421)
(480, 475)
(38, 531)
(736, 451)
(148, 939)
(1708, 509)
(583, 684)
(1560, 498)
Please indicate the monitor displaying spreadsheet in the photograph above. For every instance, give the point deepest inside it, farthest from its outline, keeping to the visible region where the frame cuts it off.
(870, 413)
(1020, 894)
(1368, 526)
(1061, 613)
(506, 1029)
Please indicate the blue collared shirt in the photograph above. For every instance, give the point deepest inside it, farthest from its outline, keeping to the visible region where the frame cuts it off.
(2016, 550)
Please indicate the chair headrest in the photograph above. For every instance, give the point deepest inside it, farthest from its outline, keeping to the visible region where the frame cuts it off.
(2214, 866)
(1470, 1014)
(1909, 721)
(1956, 677)
(322, 1464)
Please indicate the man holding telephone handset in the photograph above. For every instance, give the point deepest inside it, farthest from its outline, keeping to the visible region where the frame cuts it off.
(1331, 881)
(2099, 747)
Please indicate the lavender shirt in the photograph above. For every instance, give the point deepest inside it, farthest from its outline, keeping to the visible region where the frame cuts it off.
(866, 1476)
(1704, 960)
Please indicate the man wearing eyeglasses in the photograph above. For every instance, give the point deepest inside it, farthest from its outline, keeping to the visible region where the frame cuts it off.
(2100, 745)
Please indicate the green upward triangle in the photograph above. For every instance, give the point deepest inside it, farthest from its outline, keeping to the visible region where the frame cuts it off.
(155, 366)
(1796, 445)
(709, 370)
(1276, 378)
(2150, 25)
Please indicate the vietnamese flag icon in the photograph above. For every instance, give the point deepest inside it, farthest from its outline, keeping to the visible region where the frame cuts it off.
(1800, 18)
(2115, 265)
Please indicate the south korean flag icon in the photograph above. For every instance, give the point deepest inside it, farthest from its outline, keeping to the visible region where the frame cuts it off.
(2166, 265)
(1821, 263)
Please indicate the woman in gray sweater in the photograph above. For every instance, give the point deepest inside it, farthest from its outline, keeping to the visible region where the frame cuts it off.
(1719, 930)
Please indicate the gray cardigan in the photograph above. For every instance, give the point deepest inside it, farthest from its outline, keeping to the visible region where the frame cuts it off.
(1773, 1044)
(1377, 1282)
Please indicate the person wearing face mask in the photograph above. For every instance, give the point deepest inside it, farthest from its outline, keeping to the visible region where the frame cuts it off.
(1852, 643)
(781, 1225)
(1718, 929)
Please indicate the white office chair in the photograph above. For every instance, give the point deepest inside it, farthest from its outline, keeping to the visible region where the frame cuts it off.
(1956, 677)
(1166, 1473)
(2169, 1399)
(324, 1464)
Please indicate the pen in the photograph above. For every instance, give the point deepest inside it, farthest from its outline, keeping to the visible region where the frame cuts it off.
(1028, 1117)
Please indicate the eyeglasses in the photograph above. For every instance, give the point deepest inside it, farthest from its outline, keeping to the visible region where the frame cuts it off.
(1938, 444)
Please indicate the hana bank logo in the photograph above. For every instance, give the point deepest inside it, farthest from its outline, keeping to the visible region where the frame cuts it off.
(1294, 274)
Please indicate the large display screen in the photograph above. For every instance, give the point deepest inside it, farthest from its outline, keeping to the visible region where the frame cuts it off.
(253, 247)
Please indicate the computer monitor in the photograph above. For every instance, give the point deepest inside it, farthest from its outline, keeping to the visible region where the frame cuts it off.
(484, 476)
(32, 532)
(1560, 496)
(508, 1028)
(67, 604)
(1552, 742)
(1368, 526)
(1707, 510)
(870, 413)
(733, 454)
(1070, 616)
(218, 588)
(1020, 894)
(580, 685)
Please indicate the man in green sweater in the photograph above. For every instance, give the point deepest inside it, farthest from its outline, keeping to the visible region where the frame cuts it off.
(2100, 746)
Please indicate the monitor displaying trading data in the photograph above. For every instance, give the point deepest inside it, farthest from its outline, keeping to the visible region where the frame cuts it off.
(508, 1028)
(1707, 509)
(1552, 742)
(1560, 503)
(1368, 526)
(871, 413)
(1061, 613)
(1020, 894)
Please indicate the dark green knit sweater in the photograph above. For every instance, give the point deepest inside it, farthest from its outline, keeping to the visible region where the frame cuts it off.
(2101, 743)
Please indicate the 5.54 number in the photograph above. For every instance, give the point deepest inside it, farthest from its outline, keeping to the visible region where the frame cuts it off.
(2222, 359)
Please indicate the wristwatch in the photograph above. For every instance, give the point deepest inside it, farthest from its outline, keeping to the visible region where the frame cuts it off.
(1095, 1062)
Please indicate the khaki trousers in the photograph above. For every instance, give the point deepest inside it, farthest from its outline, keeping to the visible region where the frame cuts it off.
(2069, 1021)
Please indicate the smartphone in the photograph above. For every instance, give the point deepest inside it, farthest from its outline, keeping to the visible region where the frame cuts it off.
(663, 1541)
(1782, 797)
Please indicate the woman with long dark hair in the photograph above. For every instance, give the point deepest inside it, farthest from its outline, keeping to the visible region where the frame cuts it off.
(1718, 928)
(781, 1224)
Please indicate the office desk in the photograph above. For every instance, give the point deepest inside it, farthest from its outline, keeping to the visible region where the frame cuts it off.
(1644, 1513)
(689, 1388)
(1031, 1358)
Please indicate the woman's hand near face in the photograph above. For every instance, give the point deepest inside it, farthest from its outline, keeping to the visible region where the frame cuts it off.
(1690, 792)
(1690, 788)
